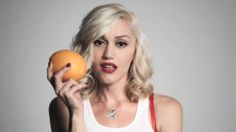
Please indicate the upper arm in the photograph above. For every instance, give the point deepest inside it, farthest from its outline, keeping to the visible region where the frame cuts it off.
(59, 115)
(171, 114)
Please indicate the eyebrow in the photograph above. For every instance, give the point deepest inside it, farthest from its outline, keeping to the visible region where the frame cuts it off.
(117, 37)
(122, 36)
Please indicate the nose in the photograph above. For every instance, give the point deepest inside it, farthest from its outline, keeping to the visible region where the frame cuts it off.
(108, 52)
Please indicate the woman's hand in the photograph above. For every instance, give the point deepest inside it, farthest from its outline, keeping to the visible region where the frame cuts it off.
(68, 91)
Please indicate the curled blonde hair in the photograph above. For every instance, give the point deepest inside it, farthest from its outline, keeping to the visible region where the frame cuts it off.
(96, 24)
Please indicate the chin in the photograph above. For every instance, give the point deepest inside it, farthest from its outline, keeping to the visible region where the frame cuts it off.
(107, 81)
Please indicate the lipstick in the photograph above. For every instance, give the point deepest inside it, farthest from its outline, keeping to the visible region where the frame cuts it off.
(108, 67)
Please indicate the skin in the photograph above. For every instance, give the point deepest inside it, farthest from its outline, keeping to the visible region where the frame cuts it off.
(116, 46)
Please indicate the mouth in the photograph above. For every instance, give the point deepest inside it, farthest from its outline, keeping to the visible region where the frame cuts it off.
(108, 67)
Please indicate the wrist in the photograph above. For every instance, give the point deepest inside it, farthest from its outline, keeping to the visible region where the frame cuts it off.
(77, 113)
(77, 121)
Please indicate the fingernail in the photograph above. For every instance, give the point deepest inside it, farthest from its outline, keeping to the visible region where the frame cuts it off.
(68, 65)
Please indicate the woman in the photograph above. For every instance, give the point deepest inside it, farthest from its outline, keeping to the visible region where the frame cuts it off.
(114, 96)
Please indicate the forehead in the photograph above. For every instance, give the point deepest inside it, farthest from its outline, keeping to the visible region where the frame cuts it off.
(120, 27)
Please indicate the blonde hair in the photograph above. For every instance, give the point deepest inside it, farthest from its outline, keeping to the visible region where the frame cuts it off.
(96, 24)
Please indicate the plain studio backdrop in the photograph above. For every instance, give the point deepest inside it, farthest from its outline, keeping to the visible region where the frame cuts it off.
(192, 44)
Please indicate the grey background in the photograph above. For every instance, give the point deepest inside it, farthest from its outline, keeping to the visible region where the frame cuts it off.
(192, 44)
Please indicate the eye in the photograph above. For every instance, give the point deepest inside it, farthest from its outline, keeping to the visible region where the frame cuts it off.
(99, 42)
(121, 44)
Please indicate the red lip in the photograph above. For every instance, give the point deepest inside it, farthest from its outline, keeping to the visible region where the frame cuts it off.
(108, 67)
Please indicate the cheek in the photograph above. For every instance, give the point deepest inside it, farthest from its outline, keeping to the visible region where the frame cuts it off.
(96, 58)
(126, 59)
(95, 64)
(95, 61)
(97, 54)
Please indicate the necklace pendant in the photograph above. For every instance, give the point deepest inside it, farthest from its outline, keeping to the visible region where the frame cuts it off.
(111, 114)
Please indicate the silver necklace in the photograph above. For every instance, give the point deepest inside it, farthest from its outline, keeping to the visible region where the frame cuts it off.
(110, 113)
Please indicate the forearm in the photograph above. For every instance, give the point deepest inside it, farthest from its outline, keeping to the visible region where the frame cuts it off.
(77, 123)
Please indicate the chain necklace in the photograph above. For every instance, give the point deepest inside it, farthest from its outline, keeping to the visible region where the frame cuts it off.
(111, 113)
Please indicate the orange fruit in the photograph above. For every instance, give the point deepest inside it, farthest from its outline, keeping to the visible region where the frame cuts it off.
(78, 64)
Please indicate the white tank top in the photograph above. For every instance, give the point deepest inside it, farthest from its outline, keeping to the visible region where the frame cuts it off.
(141, 122)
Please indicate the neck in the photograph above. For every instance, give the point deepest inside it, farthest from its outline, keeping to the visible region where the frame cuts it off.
(113, 93)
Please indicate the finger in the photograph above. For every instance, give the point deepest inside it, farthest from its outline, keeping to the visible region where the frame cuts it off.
(67, 85)
(70, 88)
(78, 87)
(74, 91)
(49, 70)
(58, 75)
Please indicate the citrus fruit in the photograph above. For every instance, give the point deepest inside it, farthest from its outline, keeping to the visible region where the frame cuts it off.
(78, 65)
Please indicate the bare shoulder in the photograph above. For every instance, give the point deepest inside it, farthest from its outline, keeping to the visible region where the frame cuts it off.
(169, 113)
(166, 102)
(59, 115)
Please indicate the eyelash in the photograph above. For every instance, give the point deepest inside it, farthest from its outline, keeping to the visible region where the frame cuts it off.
(120, 44)
(99, 42)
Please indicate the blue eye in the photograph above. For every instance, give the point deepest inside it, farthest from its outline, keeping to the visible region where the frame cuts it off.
(121, 44)
(98, 42)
